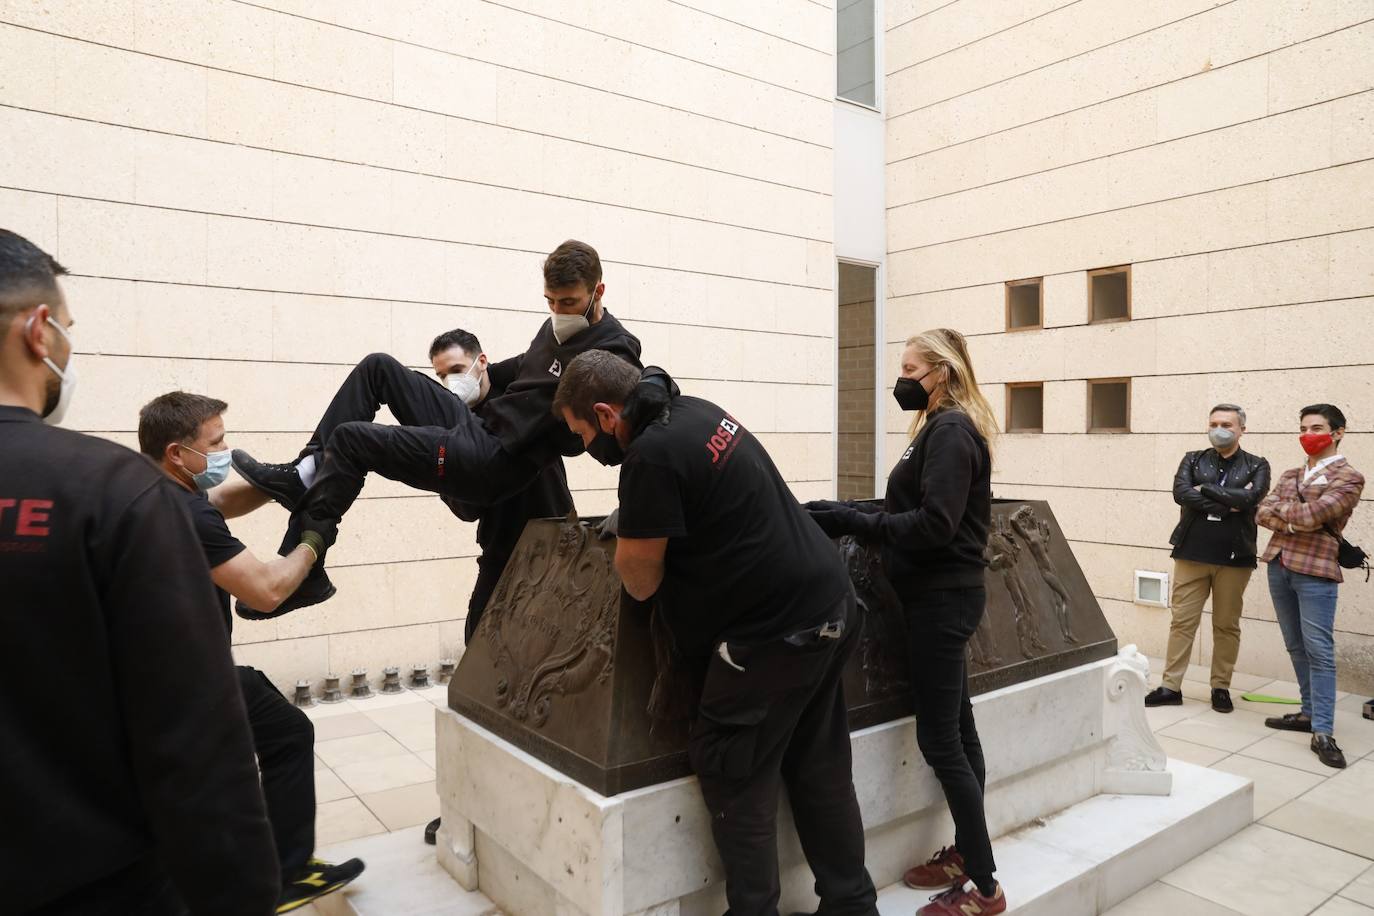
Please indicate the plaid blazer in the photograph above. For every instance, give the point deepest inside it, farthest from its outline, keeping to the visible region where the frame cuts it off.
(1330, 503)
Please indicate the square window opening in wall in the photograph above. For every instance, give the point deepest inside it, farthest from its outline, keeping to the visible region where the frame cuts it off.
(1151, 588)
(1109, 405)
(1024, 310)
(1109, 294)
(1025, 407)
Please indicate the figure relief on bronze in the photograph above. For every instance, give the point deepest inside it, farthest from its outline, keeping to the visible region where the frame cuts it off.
(884, 626)
(550, 629)
(1002, 554)
(1036, 533)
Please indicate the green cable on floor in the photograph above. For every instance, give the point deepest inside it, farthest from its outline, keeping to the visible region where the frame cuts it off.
(1264, 698)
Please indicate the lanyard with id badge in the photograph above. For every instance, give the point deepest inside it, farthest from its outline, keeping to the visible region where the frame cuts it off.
(1221, 482)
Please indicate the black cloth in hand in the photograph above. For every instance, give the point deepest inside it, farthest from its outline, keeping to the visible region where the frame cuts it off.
(650, 402)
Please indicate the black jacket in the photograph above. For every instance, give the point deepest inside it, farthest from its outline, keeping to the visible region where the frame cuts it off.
(1246, 485)
(123, 736)
(521, 417)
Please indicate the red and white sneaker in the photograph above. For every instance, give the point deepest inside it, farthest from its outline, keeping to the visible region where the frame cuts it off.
(960, 902)
(945, 869)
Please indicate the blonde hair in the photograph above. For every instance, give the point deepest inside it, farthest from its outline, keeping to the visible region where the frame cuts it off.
(959, 389)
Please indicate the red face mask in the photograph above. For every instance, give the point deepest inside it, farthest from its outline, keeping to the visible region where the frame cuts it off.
(1315, 443)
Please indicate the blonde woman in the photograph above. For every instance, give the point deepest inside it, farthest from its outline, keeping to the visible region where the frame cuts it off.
(932, 529)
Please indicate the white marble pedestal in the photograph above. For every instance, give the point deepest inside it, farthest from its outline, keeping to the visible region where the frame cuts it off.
(537, 842)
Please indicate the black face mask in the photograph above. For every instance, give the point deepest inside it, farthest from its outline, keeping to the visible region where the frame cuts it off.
(911, 394)
(606, 449)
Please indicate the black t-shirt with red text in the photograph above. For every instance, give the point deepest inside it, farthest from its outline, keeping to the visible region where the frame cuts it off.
(744, 561)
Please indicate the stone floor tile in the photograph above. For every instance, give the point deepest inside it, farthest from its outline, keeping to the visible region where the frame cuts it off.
(328, 787)
(1161, 717)
(345, 726)
(1177, 749)
(327, 710)
(1339, 812)
(428, 756)
(320, 764)
(1197, 690)
(410, 714)
(380, 700)
(370, 776)
(345, 819)
(1275, 785)
(343, 751)
(1361, 890)
(1162, 898)
(1241, 873)
(1340, 906)
(407, 806)
(1277, 749)
(1353, 703)
(1236, 734)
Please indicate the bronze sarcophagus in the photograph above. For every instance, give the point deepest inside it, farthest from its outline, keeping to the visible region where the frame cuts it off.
(569, 668)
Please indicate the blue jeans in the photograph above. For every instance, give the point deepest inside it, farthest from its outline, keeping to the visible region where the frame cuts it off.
(1306, 608)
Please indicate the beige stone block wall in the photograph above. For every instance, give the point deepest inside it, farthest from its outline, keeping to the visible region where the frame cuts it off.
(252, 197)
(1223, 150)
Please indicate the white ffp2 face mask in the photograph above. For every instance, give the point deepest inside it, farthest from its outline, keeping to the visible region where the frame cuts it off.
(465, 386)
(566, 326)
(66, 376)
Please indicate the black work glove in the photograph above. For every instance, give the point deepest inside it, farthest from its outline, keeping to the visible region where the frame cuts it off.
(650, 401)
(609, 526)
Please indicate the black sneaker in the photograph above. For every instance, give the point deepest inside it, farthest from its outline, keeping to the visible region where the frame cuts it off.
(315, 880)
(1324, 746)
(1292, 722)
(279, 481)
(315, 589)
(1163, 696)
(1221, 700)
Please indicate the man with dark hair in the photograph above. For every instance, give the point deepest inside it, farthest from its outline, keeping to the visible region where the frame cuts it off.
(132, 779)
(180, 431)
(702, 511)
(1307, 512)
(465, 378)
(470, 458)
(1217, 490)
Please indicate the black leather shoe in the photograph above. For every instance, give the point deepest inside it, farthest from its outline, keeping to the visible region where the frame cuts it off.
(1221, 700)
(1163, 696)
(1292, 722)
(315, 589)
(1324, 746)
(279, 481)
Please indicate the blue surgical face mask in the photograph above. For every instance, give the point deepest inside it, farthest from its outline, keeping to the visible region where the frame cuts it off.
(216, 468)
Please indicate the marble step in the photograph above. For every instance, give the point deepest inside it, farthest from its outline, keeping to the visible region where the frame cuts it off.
(1079, 862)
(402, 877)
(1088, 858)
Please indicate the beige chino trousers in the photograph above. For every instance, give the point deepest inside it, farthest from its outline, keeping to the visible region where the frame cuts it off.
(1193, 582)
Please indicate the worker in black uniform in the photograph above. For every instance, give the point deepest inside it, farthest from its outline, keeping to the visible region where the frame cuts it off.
(465, 377)
(129, 784)
(184, 434)
(754, 591)
(477, 459)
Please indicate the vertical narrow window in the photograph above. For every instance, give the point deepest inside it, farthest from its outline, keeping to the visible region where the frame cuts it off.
(858, 429)
(1109, 294)
(856, 61)
(1023, 305)
(1109, 405)
(1026, 407)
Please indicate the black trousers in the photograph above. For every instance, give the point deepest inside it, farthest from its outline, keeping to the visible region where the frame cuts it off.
(489, 568)
(441, 446)
(782, 720)
(940, 623)
(284, 741)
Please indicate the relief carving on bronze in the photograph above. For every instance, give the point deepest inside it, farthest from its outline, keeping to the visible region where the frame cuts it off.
(568, 667)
